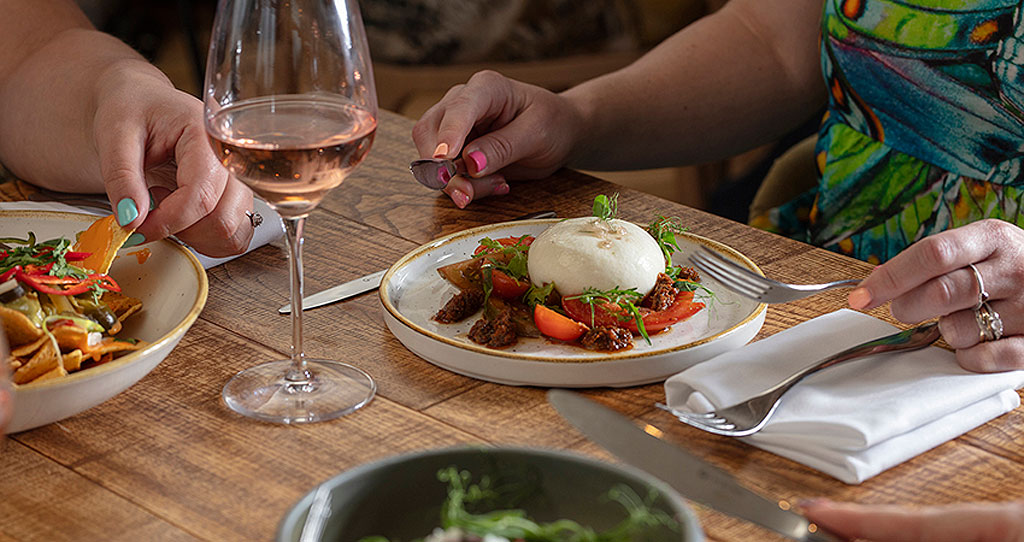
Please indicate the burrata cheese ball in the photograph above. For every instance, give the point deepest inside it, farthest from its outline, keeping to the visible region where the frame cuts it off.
(591, 252)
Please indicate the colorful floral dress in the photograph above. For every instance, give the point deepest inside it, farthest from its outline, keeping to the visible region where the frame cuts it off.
(924, 129)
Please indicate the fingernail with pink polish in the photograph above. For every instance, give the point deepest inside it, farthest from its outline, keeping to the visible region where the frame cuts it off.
(479, 160)
(860, 298)
(441, 151)
(460, 198)
(501, 189)
(443, 176)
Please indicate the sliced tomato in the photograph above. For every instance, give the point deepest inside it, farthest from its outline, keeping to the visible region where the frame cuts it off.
(556, 326)
(507, 287)
(507, 242)
(611, 314)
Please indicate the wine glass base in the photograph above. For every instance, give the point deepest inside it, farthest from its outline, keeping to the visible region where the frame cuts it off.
(263, 392)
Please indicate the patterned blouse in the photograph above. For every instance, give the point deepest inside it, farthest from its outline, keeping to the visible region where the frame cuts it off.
(924, 129)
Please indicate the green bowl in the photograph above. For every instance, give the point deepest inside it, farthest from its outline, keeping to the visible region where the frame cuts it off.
(400, 497)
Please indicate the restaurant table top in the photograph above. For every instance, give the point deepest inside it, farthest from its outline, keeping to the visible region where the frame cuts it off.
(167, 460)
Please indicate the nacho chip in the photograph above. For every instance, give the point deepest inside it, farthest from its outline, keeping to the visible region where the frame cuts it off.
(56, 372)
(20, 330)
(44, 360)
(110, 345)
(73, 360)
(24, 350)
(121, 305)
(102, 239)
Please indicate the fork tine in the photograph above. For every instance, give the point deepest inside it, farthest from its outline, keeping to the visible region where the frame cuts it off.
(727, 263)
(729, 277)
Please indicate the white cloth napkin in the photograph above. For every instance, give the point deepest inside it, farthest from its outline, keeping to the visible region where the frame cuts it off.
(272, 228)
(856, 419)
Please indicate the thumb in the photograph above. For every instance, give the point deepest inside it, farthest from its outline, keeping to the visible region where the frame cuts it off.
(121, 152)
(979, 522)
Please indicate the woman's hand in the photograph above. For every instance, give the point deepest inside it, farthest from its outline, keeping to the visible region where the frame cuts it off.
(932, 279)
(151, 143)
(81, 112)
(505, 130)
(974, 522)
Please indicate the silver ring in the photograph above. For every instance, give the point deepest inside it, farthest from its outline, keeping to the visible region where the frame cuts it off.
(990, 324)
(254, 218)
(982, 294)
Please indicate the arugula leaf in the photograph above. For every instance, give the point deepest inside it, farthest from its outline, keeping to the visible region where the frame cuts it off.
(606, 208)
(664, 230)
(626, 299)
(538, 296)
(496, 254)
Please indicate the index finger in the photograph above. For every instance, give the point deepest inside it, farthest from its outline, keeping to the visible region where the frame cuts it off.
(972, 521)
(922, 261)
(201, 181)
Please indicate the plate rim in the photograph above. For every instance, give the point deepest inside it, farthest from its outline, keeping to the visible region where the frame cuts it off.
(385, 300)
(95, 372)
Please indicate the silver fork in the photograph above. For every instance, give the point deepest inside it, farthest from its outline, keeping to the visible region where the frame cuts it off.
(749, 284)
(750, 416)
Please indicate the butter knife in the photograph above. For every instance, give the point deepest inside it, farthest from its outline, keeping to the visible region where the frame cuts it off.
(691, 476)
(369, 282)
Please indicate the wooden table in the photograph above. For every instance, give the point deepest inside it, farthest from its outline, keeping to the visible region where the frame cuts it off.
(166, 460)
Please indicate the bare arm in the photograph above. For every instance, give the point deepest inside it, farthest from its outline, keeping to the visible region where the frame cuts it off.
(735, 79)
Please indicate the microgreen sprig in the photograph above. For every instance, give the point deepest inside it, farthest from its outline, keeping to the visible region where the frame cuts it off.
(625, 299)
(516, 267)
(606, 208)
(664, 230)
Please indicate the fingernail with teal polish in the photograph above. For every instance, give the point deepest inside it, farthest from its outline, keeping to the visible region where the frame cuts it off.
(126, 211)
(134, 239)
(152, 202)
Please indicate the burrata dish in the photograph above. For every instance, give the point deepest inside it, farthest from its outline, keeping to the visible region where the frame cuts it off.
(591, 252)
(596, 282)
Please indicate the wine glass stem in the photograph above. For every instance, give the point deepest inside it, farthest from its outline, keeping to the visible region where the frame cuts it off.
(293, 234)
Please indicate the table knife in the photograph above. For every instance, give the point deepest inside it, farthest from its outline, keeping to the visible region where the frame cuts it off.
(691, 476)
(369, 282)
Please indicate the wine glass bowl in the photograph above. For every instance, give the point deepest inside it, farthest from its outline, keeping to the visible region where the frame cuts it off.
(291, 110)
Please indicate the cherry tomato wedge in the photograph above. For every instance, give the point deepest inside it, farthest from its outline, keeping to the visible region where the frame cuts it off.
(556, 326)
(507, 287)
(507, 242)
(608, 314)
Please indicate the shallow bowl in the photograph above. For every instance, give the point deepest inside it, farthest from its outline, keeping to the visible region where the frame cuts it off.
(172, 286)
(400, 497)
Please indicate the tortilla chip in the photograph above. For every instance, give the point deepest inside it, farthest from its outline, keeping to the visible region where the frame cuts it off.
(121, 305)
(73, 360)
(20, 330)
(56, 372)
(45, 359)
(102, 240)
(71, 337)
(26, 349)
(111, 345)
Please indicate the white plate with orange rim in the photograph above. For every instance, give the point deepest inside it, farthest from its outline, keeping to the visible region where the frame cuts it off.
(412, 292)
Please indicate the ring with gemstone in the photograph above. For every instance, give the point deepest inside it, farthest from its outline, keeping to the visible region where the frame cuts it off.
(990, 324)
(254, 218)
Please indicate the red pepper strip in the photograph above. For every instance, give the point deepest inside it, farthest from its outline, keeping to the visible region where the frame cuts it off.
(77, 256)
(36, 284)
(50, 279)
(106, 282)
(33, 269)
(9, 273)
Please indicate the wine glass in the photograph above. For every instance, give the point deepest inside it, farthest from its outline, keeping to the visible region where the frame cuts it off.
(291, 110)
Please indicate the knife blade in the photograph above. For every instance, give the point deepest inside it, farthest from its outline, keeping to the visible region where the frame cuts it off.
(691, 476)
(371, 281)
(360, 285)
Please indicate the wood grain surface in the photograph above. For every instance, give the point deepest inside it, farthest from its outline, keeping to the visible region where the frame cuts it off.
(166, 460)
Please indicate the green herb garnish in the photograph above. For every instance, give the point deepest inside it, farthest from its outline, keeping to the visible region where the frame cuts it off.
(513, 524)
(538, 295)
(606, 208)
(664, 230)
(509, 259)
(625, 299)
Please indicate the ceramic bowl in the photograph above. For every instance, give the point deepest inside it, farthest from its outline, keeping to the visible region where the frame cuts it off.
(400, 498)
(172, 286)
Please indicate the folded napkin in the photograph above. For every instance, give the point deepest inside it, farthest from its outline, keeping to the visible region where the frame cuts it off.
(856, 419)
(272, 228)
